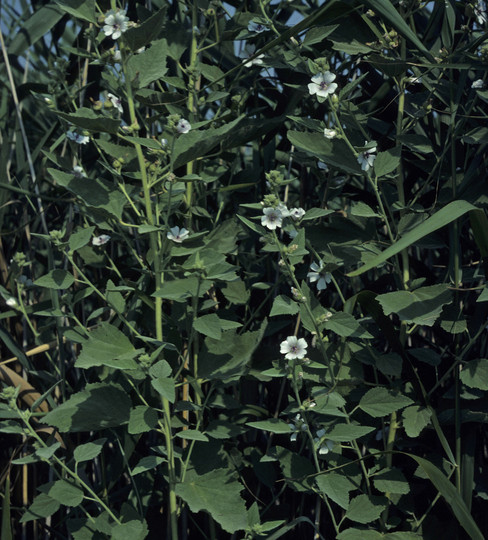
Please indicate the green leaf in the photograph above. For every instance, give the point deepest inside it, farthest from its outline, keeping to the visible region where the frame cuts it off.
(81, 9)
(208, 325)
(218, 493)
(88, 451)
(99, 406)
(451, 495)
(181, 289)
(387, 162)
(365, 509)
(142, 419)
(192, 435)
(348, 432)
(283, 305)
(43, 506)
(380, 401)
(107, 346)
(444, 216)
(97, 194)
(37, 26)
(415, 419)
(274, 425)
(88, 119)
(390, 364)
(165, 387)
(361, 209)
(316, 213)
(345, 325)
(148, 66)
(334, 152)
(66, 493)
(55, 279)
(318, 34)
(147, 464)
(391, 481)
(144, 33)
(360, 534)
(134, 529)
(422, 306)
(475, 374)
(336, 486)
(80, 238)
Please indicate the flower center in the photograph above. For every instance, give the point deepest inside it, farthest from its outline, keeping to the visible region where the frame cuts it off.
(324, 85)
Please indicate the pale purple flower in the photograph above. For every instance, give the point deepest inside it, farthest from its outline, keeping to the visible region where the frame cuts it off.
(116, 102)
(297, 213)
(247, 52)
(257, 27)
(317, 274)
(100, 240)
(183, 126)
(324, 446)
(78, 138)
(323, 84)
(177, 235)
(293, 348)
(298, 425)
(366, 158)
(480, 12)
(272, 218)
(116, 23)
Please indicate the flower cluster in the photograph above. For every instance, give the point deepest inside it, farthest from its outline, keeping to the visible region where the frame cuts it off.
(273, 216)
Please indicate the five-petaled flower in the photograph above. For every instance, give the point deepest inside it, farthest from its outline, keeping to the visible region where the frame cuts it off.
(177, 235)
(116, 23)
(298, 425)
(183, 126)
(317, 274)
(255, 26)
(272, 218)
(293, 348)
(100, 240)
(78, 138)
(323, 84)
(330, 133)
(366, 158)
(116, 102)
(247, 52)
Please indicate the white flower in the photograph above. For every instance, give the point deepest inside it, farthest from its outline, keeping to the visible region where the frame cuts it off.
(177, 235)
(366, 158)
(317, 274)
(115, 102)
(100, 240)
(78, 171)
(478, 84)
(78, 138)
(117, 56)
(323, 446)
(257, 27)
(322, 84)
(11, 302)
(293, 348)
(480, 12)
(330, 133)
(116, 23)
(247, 52)
(284, 210)
(164, 143)
(140, 50)
(183, 126)
(272, 218)
(297, 213)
